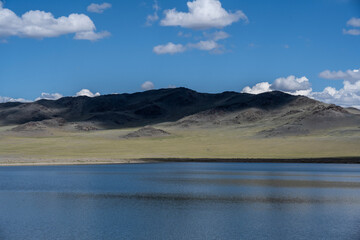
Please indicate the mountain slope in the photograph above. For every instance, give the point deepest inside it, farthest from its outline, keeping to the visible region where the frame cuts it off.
(138, 108)
(277, 112)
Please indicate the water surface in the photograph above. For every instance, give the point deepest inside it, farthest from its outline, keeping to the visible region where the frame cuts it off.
(181, 201)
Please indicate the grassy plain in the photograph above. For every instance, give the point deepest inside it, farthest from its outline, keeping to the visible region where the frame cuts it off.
(223, 142)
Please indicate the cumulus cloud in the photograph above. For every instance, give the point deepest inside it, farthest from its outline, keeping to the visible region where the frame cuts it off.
(98, 8)
(169, 48)
(347, 96)
(40, 24)
(290, 84)
(87, 93)
(202, 14)
(49, 96)
(147, 86)
(349, 75)
(258, 88)
(354, 22)
(150, 19)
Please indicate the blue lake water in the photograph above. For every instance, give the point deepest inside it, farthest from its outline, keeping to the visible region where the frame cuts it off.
(181, 201)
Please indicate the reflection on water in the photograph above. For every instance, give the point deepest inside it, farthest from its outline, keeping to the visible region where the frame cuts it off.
(264, 182)
(181, 201)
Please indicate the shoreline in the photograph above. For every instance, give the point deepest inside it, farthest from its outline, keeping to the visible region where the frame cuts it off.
(71, 163)
(74, 162)
(328, 160)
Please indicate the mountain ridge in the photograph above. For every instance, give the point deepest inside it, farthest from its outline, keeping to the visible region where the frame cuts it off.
(141, 103)
(287, 114)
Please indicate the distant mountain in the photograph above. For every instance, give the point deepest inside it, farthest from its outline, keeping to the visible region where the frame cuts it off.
(286, 114)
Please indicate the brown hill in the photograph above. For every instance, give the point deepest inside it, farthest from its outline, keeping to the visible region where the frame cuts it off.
(147, 132)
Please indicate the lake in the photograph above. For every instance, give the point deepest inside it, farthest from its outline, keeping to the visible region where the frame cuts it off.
(181, 201)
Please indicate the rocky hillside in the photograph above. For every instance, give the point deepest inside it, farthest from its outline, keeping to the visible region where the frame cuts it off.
(279, 113)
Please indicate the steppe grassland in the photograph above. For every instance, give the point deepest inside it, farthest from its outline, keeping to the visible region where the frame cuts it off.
(222, 142)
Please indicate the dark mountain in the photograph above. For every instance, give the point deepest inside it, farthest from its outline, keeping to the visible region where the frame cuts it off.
(136, 109)
(181, 106)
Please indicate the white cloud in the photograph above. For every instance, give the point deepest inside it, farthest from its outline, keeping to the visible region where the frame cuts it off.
(98, 8)
(49, 96)
(211, 44)
(150, 19)
(354, 22)
(92, 36)
(258, 88)
(9, 99)
(203, 14)
(87, 93)
(147, 86)
(354, 32)
(349, 75)
(216, 36)
(40, 24)
(205, 45)
(169, 48)
(306, 92)
(348, 96)
(220, 35)
(291, 84)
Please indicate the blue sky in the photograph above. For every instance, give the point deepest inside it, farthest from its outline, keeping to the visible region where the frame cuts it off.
(267, 42)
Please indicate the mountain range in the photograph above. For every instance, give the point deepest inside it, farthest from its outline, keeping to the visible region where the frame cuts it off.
(279, 113)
